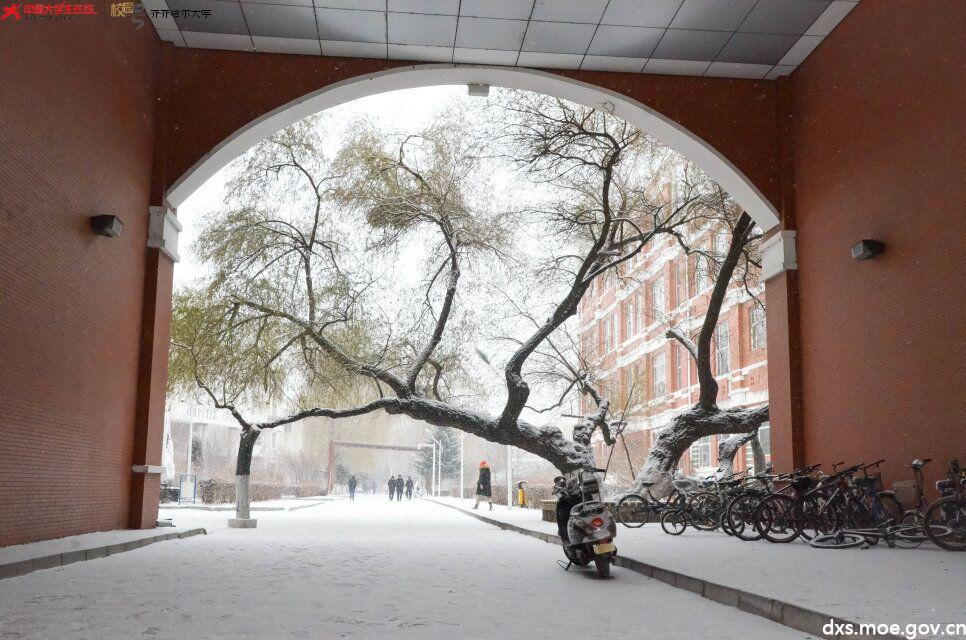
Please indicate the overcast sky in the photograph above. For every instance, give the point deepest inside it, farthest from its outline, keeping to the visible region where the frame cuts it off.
(412, 108)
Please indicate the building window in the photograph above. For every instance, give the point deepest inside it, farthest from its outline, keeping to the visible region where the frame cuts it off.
(639, 303)
(660, 375)
(721, 243)
(607, 338)
(722, 349)
(659, 293)
(702, 272)
(681, 364)
(758, 330)
(634, 382)
(764, 437)
(701, 453)
(630, 317)
(681, 281)
(614, 321)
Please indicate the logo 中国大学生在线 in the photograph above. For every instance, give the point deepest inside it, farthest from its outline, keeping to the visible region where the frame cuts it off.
(38, 10)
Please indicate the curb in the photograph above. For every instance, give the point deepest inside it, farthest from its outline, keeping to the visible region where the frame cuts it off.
(23, 567)
(784, 613)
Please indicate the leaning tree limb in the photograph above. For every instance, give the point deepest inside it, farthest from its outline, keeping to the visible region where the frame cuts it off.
(705, 418)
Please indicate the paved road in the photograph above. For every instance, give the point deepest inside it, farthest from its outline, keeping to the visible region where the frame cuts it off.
(369, 569)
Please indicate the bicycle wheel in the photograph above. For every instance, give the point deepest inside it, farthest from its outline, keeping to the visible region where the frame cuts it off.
(704, 510)
(775, 518)
(632, 511)
(742, 510)
(838, 540)
(945, 523)
(908, 535)
(815, 518)
(890, 507)
(674, 522)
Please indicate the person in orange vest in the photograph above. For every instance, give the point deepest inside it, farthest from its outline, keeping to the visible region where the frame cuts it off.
(521, 497)
(483, 489)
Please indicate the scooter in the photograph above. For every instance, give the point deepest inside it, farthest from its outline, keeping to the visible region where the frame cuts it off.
(587, 530)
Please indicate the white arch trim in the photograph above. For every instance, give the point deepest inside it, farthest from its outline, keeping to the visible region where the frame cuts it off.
(672, 134)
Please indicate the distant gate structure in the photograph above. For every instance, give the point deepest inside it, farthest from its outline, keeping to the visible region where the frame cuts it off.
(356, 445)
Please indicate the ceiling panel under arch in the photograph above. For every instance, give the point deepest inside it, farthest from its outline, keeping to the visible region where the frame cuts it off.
(759, 39)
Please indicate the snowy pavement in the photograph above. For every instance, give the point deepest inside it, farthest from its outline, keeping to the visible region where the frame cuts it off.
(281, 504)
(879, 585)
(369, 569)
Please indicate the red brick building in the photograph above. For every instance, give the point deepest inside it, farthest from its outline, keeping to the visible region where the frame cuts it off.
(621, 328)
(857, 134)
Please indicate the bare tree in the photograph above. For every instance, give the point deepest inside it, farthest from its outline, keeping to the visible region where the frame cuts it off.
(303, 303)
(705, 418)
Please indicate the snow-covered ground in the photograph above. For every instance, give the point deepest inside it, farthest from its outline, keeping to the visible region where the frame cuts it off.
(21, 552)
(880, 585)
(280, 504)
(369, 569)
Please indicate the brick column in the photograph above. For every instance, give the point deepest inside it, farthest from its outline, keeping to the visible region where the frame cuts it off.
(780, 272)
(162, 252)
(152, 380)
(784, 371)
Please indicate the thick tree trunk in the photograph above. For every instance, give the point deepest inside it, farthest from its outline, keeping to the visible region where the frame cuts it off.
(548, 442)
(728, 449)
(684, 429)
(758, 454)
(243, 471)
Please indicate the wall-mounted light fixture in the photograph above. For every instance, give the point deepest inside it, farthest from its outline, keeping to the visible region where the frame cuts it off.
(106, 225)
(478, 90)
(867, 249)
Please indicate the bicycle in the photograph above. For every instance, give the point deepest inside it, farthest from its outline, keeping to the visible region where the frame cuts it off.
(945, 520)
(635, 509)
(865, 515)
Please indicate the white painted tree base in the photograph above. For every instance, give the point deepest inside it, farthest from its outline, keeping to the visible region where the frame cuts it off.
(242, 523)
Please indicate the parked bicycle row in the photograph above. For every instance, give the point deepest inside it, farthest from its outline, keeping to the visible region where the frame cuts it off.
(842, 509)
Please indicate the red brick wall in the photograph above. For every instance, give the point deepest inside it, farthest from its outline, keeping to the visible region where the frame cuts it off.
(878, 153)
(215, 93)
(77, 112)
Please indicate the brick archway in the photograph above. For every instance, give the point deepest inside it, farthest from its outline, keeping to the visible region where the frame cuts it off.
(624, 102)
(213, 105)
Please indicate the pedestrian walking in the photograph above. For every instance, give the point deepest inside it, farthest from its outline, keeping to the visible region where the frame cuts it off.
(352, 488)
(392, 487)
(409, 488)
(400, 485)
(483, 489)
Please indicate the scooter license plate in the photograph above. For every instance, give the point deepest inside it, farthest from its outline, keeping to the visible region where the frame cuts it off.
(607, 547)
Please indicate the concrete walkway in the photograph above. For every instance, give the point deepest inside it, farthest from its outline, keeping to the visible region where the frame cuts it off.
(21, 559)
(877, 585)
(369, 569)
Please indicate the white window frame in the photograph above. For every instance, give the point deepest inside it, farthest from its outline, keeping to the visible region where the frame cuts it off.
(630, 319)
(722, 348)
(701, 453)
(681, 281)
(764, 437)
(720, 244)
(759, 327)
(659, 367)
(682, 366)
(639, 303)
(702, 272)
(659, 296)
